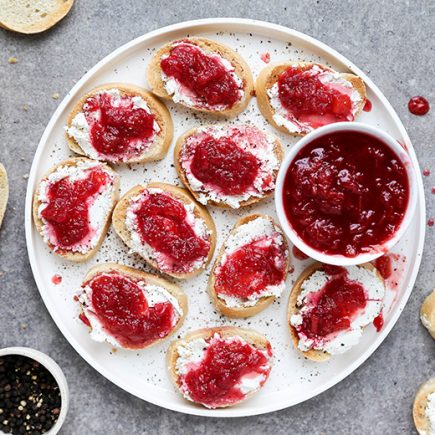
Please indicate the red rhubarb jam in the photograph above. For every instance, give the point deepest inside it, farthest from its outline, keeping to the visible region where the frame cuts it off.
(118, 129)
(201, 75)
(120, 306)
(66, 213)
(346, 193)
(311, 100)
(216, 380)
(418, 106)
(164, 224)
(251, 268)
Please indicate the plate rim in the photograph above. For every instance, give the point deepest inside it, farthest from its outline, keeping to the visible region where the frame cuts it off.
(168, 404)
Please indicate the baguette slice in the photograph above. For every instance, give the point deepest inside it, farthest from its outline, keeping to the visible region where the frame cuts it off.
(179, 149)
(421, 420)
(120, 214)
(76, 256)
(4, 192)
(311, 354)
(173, 289)
(427, 313)
(24, 16)
(262, 303)
(242, 70)
(160, 142)
(252, 337)
(270, 75)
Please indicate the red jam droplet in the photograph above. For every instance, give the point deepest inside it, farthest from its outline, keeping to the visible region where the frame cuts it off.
(384, 266)
(204, 75)
(56, 279)
(433, 190)
(67, 210)
(162, 224)
(123, 310)
(224, 166)
(378, 322)
(297, 253)
(118, 132)
(214, 382)
(418, 106)
(345, 193)
(265, 57)
(251, 268)
(426, 172)
(85, 320)
(367, 106)
(430, 222)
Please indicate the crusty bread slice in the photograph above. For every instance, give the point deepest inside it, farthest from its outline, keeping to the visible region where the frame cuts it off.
(427, 313)
(252, 337)
(34, 16)
(76, 256)
(173, 289)
(161, 141)
(241, 312)
(421, 421)
(120, 213)
(242, 70)
(181, 141)
(270, 75)
(4, 192)
(311, 354)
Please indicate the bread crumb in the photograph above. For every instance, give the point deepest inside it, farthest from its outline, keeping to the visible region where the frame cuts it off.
(12, 60)
(24, 326)
(114, 349)
(2, 273)
(25, 176)
(25, 107)
(55, 96)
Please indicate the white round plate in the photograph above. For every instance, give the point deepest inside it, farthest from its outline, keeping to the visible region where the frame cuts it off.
(293, 379)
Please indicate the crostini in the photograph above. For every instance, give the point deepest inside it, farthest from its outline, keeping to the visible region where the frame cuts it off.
(119, 123)
(203, 75)
(427, 314)
(201, 365)
(128, 308)
(167, 228)
(251, 267)
(72, 206)
(329, 306)
(298, 97)
(4, 192)
(228, 166)
(424, 408)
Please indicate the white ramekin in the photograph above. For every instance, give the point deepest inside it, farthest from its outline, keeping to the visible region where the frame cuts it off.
(341, 260)
(57, 373)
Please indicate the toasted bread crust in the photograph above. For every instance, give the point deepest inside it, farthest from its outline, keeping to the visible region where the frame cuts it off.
(173, 289)
(427, 313)
(250, 336)
(263, 303)
(269, 76)
(420, 402)
(312, 354)
(179, 145)
(119, 217)
(4, 192)
(76, 256)
(242, 70)
(161, 142)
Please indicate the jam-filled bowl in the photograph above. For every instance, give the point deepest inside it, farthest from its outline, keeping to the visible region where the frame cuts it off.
(346, 193)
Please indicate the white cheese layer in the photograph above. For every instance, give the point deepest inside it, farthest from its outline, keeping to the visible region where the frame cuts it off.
(153, 294)
(343, 340)
(79, 130)
(249, 139)
(281, 115)
(430, 413)
(245, 234)
(98, 210)
(144, 249)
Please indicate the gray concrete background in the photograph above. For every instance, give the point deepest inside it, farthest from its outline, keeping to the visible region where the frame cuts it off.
(393, 41)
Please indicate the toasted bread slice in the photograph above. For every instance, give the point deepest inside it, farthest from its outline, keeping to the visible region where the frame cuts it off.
(149, 278)
(159, 143)
(24, 16)
(421, 420)
(254, 338)
(262, 303)
(76, 256)
(427, 313)
(270, 75)
(311, 354)
(241, 70)
(179, 149)
(4, 192)
(120, 215)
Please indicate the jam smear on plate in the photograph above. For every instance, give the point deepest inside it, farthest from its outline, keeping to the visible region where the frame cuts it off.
(346, 193)
(367, 106)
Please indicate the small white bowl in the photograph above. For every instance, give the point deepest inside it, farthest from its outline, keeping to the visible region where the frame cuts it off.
(57, 373)
(341, 260)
